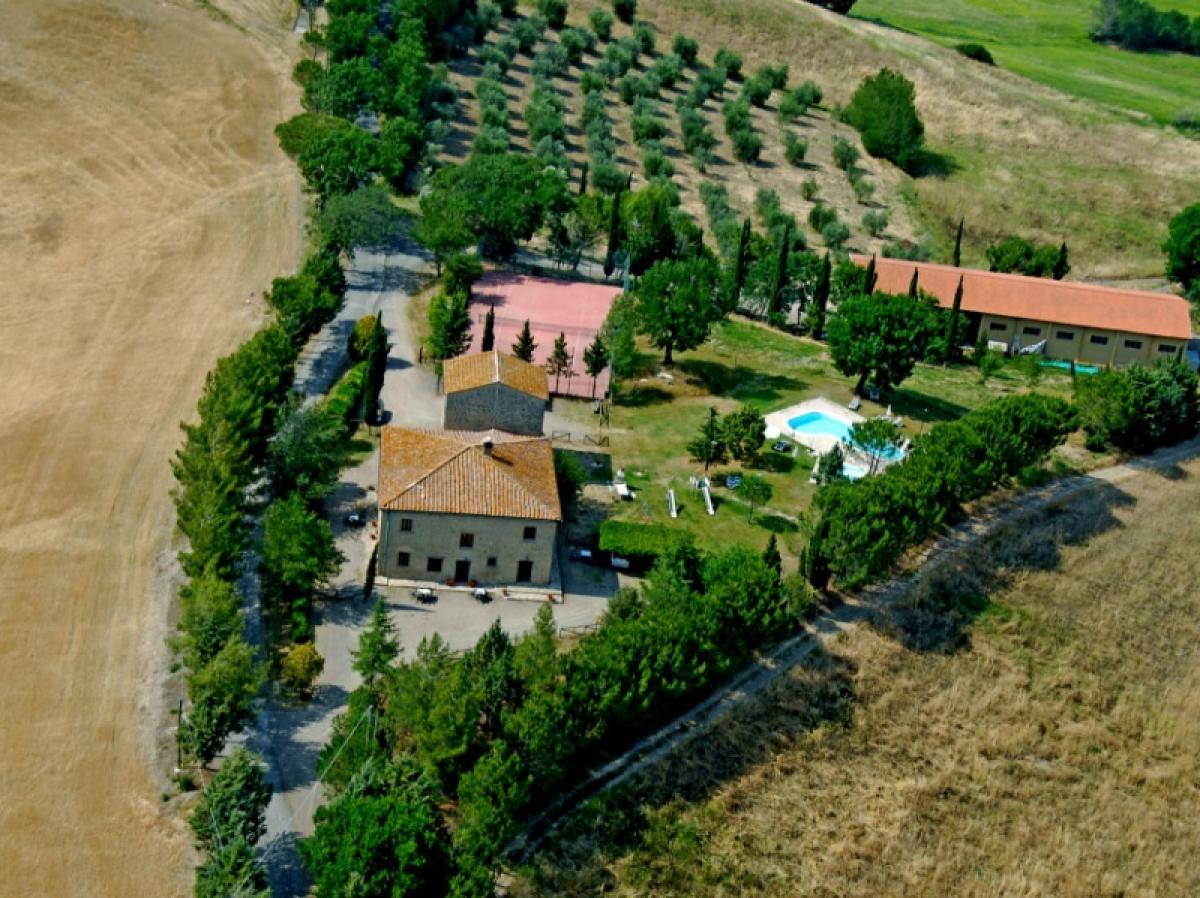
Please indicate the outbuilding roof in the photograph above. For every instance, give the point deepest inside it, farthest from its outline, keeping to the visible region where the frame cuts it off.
(468, 372)
(489, 473)
(1019, 296)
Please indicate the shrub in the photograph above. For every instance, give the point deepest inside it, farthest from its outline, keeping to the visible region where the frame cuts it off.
(526, 34)
(686, 48)
(810, 189)
(747, 146)
(601, 21)
(625, 10)
(774, 75)
(491, 56)
(875, 223)
(694, 131)
(619, 59)
(845, 154)
(358, 343)
(628, 538)
(646, 128)
(644, 35)
(883, 112)
(794, 149)
(863, 190)
(591, 82)
(977, 52)
(655, 164)
(821, 216)
(729, 62)
(554, 12)
(300, 667)
(551, 62)
(573, 44)
(757, 91)
(667, 69)
(835, 234)
(508, 8)
(1138, 409)
(737, 116)
(792, 107)
(906, 249)
(809, 93)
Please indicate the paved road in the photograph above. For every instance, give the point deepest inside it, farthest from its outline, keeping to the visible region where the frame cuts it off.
(860, 609)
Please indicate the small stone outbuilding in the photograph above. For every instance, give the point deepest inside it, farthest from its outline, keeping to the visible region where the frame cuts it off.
(493, 390)
(467, 507)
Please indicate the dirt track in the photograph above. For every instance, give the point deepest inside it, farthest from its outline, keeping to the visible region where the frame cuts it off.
(143, 204)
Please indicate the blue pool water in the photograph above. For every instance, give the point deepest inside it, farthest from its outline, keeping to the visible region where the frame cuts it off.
(826, 425)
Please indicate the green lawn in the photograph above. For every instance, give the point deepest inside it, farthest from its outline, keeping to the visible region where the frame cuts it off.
(744, 362)
(1046, 40)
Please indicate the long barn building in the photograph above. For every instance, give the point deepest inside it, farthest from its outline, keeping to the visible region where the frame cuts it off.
(1080, 322)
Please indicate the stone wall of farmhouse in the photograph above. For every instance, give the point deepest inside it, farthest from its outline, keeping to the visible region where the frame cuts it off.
(494, 405)
(497, 547)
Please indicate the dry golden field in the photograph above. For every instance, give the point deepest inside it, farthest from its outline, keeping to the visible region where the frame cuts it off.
(144, 206)
(1051, 753)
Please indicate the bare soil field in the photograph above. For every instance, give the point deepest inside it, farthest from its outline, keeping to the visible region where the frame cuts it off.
(144, 206)
(1042, 744)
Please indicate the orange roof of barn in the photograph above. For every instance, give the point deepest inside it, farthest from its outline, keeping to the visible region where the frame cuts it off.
(1040, 299)
(467, 372)
(451, 471)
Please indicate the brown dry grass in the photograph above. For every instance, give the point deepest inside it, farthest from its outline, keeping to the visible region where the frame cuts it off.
(144, 205)
(1054, 756)
(1032, 160)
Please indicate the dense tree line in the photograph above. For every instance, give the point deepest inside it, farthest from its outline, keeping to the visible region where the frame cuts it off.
(1017, 255)
(1138, 409)
(1136, 25)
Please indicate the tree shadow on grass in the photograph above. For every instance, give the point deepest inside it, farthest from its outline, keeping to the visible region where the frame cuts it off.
(640, 396)
(642, 814)
(775, 523)
(922, 406)
(775, 462)
(930, 164)
(950, 593)
(737, 381)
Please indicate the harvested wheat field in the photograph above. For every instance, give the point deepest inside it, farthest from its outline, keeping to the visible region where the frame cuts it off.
(1043, 744)
(144, 206)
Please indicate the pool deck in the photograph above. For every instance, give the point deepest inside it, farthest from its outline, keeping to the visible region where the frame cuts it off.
(777, 423)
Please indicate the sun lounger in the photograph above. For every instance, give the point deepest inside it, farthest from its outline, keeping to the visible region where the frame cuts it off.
(855, 404)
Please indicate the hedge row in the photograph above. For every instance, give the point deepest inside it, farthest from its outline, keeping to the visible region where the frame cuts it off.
(629, 538)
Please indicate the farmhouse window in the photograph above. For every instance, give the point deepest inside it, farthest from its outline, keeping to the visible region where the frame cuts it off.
(466, 540)
(1032, 331)
(998, 326)
(530, 534)
(403, 559)
(434, 565)
(1133, 344)
(1099, 341)
(1064, 335)
(406, 525)
(1165, 347)
(491, 562)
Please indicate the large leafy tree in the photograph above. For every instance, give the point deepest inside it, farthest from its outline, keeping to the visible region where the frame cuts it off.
(222, 694)
(648, 222)
(306, 452)
(234, 804)
(231, 869)
(744, 431)
(677, 303)
(756, 491)
(881, 336)
(1183, 249)
(338, 162)
(883, 111)
(500, 199)
(298, 550)
(211, 616)
(876, 438)
(364, 217)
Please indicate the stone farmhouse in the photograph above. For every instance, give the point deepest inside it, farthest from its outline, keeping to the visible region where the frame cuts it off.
(472, 507)
(487, 390)
(1078, 321)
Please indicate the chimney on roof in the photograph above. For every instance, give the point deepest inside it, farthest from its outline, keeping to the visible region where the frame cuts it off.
(487, 445)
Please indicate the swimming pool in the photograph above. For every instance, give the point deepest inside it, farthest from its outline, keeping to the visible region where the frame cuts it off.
(827, 425)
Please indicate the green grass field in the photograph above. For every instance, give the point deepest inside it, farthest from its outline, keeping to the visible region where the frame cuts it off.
(1046, 40)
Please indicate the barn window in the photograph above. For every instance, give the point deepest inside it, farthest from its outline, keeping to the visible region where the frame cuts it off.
(998, 326)
(403, 559)
(1165, 347)
(406, 525)
(530, 534)
(466, 540)
(1064, 335)
(1133, 344)
(434, 565)
(1032, 331)
(1097, 340)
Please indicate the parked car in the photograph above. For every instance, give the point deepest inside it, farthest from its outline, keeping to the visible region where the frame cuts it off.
(621, 564)
(579, 553)
(781, 446)
(356, 519)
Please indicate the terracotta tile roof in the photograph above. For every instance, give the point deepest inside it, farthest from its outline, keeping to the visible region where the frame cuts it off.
(1072, 303)
(450, 471)
(466, 372)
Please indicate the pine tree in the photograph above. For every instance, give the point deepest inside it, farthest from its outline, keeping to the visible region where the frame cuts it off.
(772, 557)
(958, 245)
(234, 804)
(378, 647)
(870, 278)
(595, 360)
(912, 285)
(614, 234)
(525, 345)
(1062, 265)
(952, 326)
(780, 275)
(583, 178)
(739, 277)
(709, 445)
(559, 362)
(821, 298)
(488, 341)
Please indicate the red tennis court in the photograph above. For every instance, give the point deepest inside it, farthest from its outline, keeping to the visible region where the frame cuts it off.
(574, 309)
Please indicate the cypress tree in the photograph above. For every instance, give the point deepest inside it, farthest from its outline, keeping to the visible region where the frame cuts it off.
(376, 366)
(583, 176)
(821, 298)
(780, 275)
(958, 244)
(524, 347)
(488, 341)
(871, 278)
(772, 557)
(952, 326)
(739, 276)
(614, 233)
(1061, 265)
(560, 359)
(912, 285)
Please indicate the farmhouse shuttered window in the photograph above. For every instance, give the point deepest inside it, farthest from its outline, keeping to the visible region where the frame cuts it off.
(403, 559)
(466, 540)
(1099, 341)
(406, 525)
(434, 565)
(530, 534)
